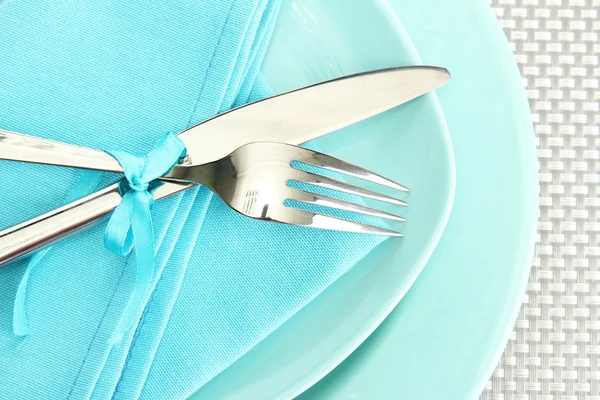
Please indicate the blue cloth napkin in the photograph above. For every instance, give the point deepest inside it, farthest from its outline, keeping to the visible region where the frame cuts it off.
(118, 75)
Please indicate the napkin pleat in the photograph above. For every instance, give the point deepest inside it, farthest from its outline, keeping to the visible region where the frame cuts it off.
(251, 88)
(229, 53)
(184, 227)
(147, 337)
(248, 47)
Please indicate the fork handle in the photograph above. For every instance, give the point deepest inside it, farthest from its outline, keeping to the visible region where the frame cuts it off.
(25, 148)
(46, 229)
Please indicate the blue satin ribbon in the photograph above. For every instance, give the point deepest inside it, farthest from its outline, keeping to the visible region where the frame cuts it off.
(86, 184)
(129, 228)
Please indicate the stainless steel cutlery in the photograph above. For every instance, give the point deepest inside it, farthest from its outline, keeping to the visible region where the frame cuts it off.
(254, 181)
(234, 155)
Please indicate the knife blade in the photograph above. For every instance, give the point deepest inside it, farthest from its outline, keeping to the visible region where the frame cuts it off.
(293, 117)
(305, 114)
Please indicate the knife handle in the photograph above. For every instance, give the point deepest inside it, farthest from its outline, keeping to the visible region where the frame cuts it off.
(25, 148)
(36, 233)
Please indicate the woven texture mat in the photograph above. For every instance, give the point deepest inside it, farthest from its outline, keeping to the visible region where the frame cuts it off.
(554, 348)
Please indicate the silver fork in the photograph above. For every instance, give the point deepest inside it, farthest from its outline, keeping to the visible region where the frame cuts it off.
(254, 180)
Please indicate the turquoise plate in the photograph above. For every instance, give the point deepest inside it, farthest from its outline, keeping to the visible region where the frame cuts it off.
(313, 41)
(447, 334)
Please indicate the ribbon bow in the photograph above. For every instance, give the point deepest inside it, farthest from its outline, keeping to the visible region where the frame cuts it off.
(129, 228)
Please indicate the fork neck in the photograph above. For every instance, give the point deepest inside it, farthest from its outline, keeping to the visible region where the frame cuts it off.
(204, 174)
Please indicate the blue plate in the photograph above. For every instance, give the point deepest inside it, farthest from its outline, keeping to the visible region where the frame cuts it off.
(447, 334)
(313, 41)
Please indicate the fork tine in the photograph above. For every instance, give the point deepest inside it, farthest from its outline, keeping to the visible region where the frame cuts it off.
(334, 164)
(323, 221)
(329, 183)
(303, 196)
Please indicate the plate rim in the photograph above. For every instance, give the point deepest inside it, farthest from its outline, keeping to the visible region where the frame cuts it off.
(528, 185)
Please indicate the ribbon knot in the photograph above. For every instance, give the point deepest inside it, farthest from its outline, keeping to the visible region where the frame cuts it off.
(138, 185)
(129, 228)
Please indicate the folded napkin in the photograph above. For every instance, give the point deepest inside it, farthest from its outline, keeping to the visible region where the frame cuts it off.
(118, 75)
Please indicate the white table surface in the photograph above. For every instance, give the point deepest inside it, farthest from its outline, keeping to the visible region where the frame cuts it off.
(553, 350)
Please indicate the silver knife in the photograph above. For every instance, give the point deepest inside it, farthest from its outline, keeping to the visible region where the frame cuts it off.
(294, 117)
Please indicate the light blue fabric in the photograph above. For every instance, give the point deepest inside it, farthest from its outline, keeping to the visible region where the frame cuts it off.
(117, 74)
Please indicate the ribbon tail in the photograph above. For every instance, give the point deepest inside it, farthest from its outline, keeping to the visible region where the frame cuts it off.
(20, 327)
(118, 237)
(87, 182)
(142, 232)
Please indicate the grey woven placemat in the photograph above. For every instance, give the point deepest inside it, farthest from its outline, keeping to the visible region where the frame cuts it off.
(553, 350)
